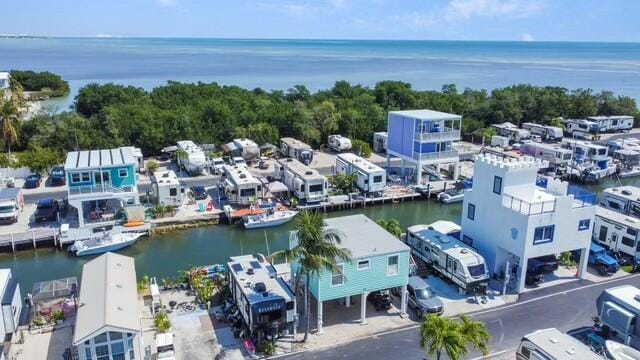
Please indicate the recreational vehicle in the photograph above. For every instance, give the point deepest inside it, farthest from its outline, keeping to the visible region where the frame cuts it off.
(305, 183)
(190, 157)
(589, 160)
(380, 141)
(290, 147)
(451, 257)
(551, 344)
(546, 132)
(500, 141)
(244, 148)
(556, 156)
(339, 143)
(370, 177)
(137, 156)
(511, 131)
(582, 129)
(166, 188)
(622, 199)
(619, 311)
(616, 231)
(240, 187)
(613, 123)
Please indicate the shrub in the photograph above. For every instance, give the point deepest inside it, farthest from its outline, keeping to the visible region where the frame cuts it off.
(162, 322)
(58, 315)
(361, 148)
(152, 166)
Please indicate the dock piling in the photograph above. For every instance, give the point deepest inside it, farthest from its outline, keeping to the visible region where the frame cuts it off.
(33, 238)
(13, 244)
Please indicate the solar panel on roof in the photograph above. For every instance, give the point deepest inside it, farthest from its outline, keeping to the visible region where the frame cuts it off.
(236, 267)
(255, 264)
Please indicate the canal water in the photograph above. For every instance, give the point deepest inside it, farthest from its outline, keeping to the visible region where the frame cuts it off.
(166, 254)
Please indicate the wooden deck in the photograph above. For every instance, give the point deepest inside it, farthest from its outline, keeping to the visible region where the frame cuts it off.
(29, 239)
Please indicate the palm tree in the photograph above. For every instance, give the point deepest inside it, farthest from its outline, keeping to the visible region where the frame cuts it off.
(476, 334)
(392, 226)
(9, 116)
(441, 334)
(317, 250)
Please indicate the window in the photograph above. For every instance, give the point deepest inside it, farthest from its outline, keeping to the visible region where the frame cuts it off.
(86, 177)
(337, 275)
(173, 192)
(117, 350)
(131, 349)
(87, 352)
(247, 192)
(392, 265)
(497, 185)
(584, 224)
(377, 178)
(363, 264)
(102, 338)
(602, 236)
(316, 188)
(628, 241)
(115, 335)
(543, 235)
(467, 240)
(75, 177)
(471, 211)
(123, 173)
(102, 352)
(632, 232)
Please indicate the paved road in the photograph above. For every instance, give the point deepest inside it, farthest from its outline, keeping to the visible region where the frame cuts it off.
(566, 309)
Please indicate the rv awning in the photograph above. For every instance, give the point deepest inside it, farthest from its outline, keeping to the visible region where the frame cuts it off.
(230, 147)
(277, 187)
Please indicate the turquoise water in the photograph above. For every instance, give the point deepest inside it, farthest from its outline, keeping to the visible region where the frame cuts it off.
(280, 64)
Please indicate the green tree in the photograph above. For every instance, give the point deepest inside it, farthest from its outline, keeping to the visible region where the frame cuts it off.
(444, 335)
(39, 159)
(476, 334)
(161, 322)
(51, 84)
(317, 250)
(392, 226)
(361, 148)
(152, 166)
(326, 118)
(345, 183)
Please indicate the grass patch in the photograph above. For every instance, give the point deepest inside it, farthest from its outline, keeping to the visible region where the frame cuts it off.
(627, 268)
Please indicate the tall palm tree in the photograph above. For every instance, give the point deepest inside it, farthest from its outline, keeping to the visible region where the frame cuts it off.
(392, 226)
(476, 334)
(440, 334)
(316, 250)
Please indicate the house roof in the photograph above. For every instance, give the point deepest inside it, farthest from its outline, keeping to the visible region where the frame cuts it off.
(364, 237)
(108, 297)
(93, 159)
(426, 115)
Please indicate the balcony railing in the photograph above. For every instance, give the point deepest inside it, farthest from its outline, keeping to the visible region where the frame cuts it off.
(528, 207)
(448, 134)
(99, 188)
(451, 155)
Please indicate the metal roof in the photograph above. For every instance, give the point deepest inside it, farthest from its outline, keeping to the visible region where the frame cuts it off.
(249, 270)
(426, 115)
(360, 163)
(561, 346)
(301, 169)
(364, 237)
(108, 297)
(295, 144)
(94, 159)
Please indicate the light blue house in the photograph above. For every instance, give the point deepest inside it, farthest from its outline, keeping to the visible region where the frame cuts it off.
(380, 261)
(100, 181)
(422, 138)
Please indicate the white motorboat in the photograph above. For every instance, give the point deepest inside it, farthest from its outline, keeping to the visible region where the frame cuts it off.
(629, 172)
(619, 351)
(104, 243)
(451, 196)
(268, 219)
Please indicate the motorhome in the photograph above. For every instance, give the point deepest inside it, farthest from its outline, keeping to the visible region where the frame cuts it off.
(551, 344)
(244, 148)
(190, 157)
(451, 257)
(589, 160)
(166, 188)
(622, 199)
(619, 311)
(339, 143)
(369, 177)
(613, 123)
(265, 300)
(380, 141)
(617, 232)
(546, 132)
(240, 187)
(511, 131)
(582, 129)
(305, 183)
(290, 147)
(556, 156)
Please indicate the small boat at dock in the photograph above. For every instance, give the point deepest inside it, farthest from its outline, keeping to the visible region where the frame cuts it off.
(268, 219)
(619, 351)
(451, 196)
(105, 243)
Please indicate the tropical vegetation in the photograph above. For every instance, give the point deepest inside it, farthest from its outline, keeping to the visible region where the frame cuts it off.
(344, 183)
(392, 226)
(161, 322)
(440, 335)
(46, 83)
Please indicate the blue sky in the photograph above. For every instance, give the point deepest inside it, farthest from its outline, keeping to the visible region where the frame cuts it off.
(541, 20)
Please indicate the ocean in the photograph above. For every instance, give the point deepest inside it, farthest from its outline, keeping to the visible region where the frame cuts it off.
(317, 64)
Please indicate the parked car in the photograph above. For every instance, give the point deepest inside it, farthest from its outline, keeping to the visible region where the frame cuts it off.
(32, 181)
(549, 262)
(57, 176)
(604, 263)
(535, 272)
(199, 192)
(46, 210)
(380, 300)
(217, 165)
(238, 161)
(422, 298)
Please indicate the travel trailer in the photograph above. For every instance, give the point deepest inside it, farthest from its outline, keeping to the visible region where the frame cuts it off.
(166, 188)
(240, 187)
(290, 147)
(590, 160)
(138, 157)
(546, 132)
(500, 141)
(556, 156)
(339, 143)
(617, 232)
(244, 148)
(551, 344)
(613, 123)
(619, 311)
(582, 129)
(380, 141)
(622, 199)
(451, 257)
(194, 160)
(511, 131)
(370, 177)
(305, 183)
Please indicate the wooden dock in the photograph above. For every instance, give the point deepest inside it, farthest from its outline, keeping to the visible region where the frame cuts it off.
(30, 239)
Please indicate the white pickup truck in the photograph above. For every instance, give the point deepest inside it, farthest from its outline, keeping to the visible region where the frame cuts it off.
(11, 204)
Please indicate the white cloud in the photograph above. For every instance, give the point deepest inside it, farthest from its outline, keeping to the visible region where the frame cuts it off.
(459, 10)
(167, 3)
(527, 37)
(338, 4)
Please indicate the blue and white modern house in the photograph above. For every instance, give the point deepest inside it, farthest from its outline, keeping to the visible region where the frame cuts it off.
(511, 216)
(422, 138)
(99, 181)
(11, 303)
(379, 261)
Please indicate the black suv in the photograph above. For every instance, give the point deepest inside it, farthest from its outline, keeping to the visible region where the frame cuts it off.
(199, 192)
(56, 177)
(47, 210)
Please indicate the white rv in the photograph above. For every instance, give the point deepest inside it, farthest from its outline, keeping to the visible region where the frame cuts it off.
(582, 129)
(339, 143)
(511, 131)
(449, 256)
(240, 186)
(166, 188)
(551, 344)
(500, 141)
(290, 147)
(555, 155)
(622, 199)
(194, 160)
(546, 132)
(370, 177)
(616, 231)
(305, 183)
(137, 155)
(244, 148)
(613, 123)
(380, 141)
